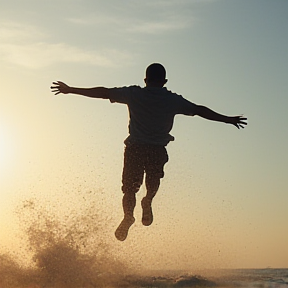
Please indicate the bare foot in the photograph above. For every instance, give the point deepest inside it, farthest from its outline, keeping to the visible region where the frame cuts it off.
(122, 230)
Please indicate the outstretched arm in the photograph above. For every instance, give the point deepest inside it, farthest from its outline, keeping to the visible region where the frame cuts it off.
(95, 92)
(209, 114)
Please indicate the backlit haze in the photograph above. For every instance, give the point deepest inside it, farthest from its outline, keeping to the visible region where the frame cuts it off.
(223, 201)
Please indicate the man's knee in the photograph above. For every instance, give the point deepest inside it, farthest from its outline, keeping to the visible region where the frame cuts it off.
(131, 188)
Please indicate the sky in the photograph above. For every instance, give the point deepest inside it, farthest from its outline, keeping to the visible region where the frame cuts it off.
(223, 200)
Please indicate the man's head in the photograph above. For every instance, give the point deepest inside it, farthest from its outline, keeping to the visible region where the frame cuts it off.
(155, 75)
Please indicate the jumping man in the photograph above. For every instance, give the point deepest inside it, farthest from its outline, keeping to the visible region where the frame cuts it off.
(152, 110)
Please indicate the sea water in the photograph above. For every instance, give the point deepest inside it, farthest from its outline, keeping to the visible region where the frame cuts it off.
(71, 253)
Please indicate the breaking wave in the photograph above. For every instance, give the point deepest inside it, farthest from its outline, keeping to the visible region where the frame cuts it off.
(70, 251)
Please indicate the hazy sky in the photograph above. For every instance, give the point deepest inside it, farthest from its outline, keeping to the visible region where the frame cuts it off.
(223, 201)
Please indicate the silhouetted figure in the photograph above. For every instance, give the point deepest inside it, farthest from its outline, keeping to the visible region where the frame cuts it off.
(152, 110)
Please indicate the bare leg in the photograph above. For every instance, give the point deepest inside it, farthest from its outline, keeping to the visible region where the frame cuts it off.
(129, 203)
(152, 186)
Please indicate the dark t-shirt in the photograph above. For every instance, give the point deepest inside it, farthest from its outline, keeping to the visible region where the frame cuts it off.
(152, 111)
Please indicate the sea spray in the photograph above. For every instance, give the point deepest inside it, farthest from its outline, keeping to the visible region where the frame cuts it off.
(67, 251)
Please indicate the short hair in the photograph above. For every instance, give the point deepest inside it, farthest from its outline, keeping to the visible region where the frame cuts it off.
(155, 72)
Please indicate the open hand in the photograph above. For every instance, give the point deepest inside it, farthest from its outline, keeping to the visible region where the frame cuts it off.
(60, 87)
(239, 121)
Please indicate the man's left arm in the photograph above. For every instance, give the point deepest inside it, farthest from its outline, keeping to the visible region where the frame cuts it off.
(207, 113)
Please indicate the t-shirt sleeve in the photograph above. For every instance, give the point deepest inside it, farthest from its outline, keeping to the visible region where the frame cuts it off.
(186, 107)
(122, 94)
(119, 95)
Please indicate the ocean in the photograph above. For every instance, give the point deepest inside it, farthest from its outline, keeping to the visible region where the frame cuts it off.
(13, 276)
(69, 253)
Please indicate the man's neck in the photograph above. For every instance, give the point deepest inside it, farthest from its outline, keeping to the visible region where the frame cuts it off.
(154, 85)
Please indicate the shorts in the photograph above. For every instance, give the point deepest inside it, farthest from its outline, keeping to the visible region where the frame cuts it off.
(140, 159)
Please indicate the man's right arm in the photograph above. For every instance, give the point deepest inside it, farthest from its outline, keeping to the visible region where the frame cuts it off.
(95, 92)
